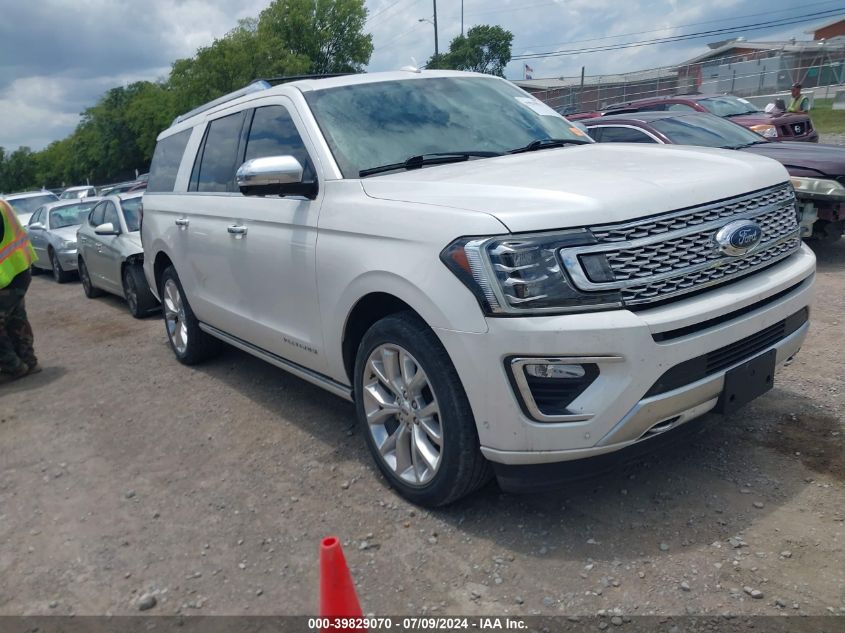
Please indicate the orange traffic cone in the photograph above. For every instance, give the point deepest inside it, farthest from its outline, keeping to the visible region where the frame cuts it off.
(337, 593)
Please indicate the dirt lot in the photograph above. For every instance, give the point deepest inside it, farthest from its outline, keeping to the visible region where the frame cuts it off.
(123, 473)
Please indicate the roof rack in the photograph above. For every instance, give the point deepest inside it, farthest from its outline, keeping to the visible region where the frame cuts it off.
(254, 86)
(274, 81)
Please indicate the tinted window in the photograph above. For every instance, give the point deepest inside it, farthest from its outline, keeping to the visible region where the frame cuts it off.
(624, 135)
(69, 215)
(166, 159)
(110, 215)
(706, 130)
(219, 154)
(372, 124)
(273, 133)
(132, 214)
(28, 205)
(96, 216)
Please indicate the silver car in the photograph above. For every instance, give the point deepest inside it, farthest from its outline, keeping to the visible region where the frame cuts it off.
(52, 231)
(110, 253)
(25, 203)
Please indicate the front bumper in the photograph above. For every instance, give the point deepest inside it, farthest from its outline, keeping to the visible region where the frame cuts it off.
(614, 412)
(69, 259)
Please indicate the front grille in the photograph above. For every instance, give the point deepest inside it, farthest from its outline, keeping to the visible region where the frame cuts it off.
(718, 360)
(675, 253)
(797, 129)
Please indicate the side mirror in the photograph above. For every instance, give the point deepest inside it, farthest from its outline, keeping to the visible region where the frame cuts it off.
(274, 176)
(36, 226)
(106, 229)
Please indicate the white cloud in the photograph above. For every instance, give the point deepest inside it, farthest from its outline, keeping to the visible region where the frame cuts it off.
(57, 57)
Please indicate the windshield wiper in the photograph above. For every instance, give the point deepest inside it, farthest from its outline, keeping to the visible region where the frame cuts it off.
(439, 158)
(744, 145)
(547, 143)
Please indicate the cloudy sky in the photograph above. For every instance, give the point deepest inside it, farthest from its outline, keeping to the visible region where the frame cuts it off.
(57, 57)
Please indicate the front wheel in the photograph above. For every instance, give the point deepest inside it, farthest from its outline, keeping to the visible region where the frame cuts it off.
(137, 292)
(91, 291)
(415, 415)
(190, 344)
(60, 275)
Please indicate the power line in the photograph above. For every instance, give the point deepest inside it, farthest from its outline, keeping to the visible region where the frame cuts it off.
(386, 9)
(680, 38)
(683, 26)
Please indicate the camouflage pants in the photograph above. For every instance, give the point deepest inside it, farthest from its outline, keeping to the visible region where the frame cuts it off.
(15, 332)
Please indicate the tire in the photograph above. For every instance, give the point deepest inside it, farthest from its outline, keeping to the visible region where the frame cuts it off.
(35, 270)
(91, 291)
(189, 343)
(60, 275)
(136, 291)
(451, 470)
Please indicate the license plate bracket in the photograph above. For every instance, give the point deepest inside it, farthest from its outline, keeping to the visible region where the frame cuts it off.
(748, 381)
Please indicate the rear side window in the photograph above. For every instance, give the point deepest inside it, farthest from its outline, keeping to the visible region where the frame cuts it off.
(216, 171)
(166, 159)
(273, 133)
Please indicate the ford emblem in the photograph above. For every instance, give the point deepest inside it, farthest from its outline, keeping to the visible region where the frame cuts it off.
(739, 237)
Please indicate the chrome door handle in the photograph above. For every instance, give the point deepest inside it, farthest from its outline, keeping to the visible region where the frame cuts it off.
(236, 229)
(181, 222)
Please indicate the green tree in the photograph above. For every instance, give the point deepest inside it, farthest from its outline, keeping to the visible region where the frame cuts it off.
(117, 135)
(327, 34)
(484, 49)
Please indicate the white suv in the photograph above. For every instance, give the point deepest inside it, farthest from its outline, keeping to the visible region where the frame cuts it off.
(492, 290)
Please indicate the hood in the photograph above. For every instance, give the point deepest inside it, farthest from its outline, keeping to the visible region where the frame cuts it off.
(764, 118)
(804, 159)
(67, 233)
(582, 185)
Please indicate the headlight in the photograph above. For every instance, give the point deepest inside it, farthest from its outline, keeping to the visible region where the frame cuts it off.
(522, 274)
(769, 131)
(818, 188)
(67, 245)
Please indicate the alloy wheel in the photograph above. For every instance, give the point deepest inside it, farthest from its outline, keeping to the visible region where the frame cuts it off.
(403, 416)
(174, 316)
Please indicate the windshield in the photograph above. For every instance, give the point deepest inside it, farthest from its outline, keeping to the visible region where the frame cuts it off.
(69, 214)
(132, 213)
(706, 131)
(375, 124)
(728, 106)
(29, 205)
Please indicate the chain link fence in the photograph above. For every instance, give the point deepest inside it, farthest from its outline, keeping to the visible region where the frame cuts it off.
(819, 67)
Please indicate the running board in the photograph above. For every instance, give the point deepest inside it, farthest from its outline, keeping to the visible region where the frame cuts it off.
(299, 371)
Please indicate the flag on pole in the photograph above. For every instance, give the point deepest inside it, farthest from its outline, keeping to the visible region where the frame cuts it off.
(528, 72)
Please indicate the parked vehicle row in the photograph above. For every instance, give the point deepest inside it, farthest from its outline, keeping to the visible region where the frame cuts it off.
(99, 238)
(495, 292)
(818, 171)
(775, 125)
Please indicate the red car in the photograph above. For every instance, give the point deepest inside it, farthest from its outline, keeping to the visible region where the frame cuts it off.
(775, 126)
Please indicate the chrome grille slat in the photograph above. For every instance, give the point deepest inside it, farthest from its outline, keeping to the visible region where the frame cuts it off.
(675, 253)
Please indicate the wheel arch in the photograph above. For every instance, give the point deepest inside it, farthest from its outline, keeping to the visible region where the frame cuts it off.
(367, 310)
(160, 264)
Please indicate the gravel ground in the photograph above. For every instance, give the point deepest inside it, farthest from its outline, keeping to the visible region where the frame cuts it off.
(124, 473)
(832, 139)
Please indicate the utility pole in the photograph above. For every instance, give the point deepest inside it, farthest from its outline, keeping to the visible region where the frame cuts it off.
(436, 47)
(462, 18)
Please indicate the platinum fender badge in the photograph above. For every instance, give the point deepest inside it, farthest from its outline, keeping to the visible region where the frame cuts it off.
(739, 237)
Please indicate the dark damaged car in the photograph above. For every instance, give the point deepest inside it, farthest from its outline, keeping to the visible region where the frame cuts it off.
(776, 126)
